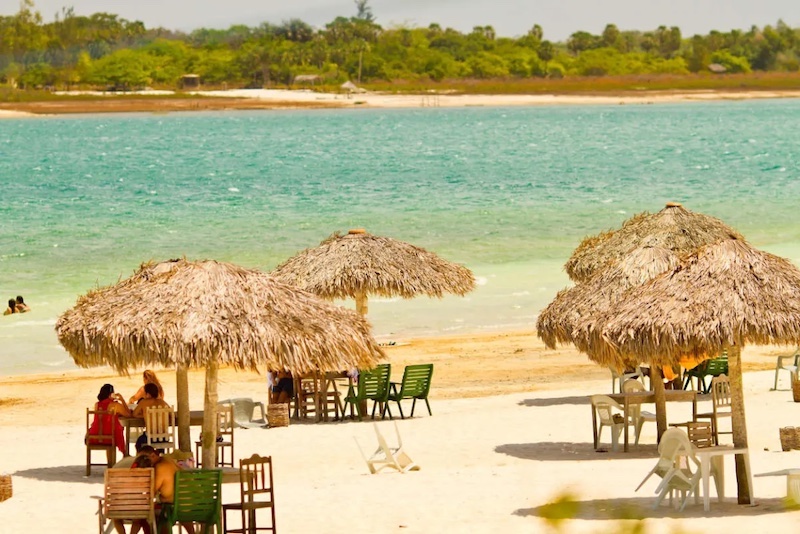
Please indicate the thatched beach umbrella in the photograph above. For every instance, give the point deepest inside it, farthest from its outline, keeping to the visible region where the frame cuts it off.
(722, 297)
(674, 228)
(358, 264)
(205, 314)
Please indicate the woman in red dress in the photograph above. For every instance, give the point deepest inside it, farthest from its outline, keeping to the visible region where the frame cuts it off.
(109, 401)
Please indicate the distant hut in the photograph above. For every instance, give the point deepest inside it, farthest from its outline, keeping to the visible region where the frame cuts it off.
(190, 81)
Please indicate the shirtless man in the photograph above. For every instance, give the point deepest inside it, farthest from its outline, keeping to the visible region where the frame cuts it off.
(165, 470)
(150, 400)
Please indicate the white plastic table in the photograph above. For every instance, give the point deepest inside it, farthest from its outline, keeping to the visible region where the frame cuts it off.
(716, 456)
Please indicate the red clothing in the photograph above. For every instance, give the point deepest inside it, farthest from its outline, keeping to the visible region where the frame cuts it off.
(100, 425)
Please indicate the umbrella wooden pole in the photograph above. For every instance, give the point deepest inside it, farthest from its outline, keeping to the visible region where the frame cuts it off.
(661, 400)
(210, 416)
(361, 303)
(738, 420)
(182, 385)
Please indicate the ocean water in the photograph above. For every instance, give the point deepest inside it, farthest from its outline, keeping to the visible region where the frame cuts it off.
(508, 192)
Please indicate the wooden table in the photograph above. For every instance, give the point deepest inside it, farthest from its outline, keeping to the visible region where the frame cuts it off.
(195, 419)
(716, 456)
(643, 397)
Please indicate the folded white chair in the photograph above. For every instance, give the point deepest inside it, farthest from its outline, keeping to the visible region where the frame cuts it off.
(677, 466)
(386, 456)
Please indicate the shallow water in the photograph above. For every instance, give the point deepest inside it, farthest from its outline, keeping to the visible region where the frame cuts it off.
(509, 192)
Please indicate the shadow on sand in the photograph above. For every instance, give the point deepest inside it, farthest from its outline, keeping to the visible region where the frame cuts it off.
(557, 401)
(63, 473)
(642, 508)
(564, 451)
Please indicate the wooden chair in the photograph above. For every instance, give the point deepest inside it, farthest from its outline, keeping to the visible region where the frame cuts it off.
(372, 385)
(224, 438)
(256, 493)
(197, 499)
(159, 425)
(416, 384)
(720, 405)
(103, 440)
(700, 434)
(129, 495)
(308, 396)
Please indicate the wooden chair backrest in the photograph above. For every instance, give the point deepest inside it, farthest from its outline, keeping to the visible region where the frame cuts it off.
(104, 437)
(416, 381)
(721, 392)
(129, 493)
(159, 422)
(700, 434)
(255, 476)
(225, 422)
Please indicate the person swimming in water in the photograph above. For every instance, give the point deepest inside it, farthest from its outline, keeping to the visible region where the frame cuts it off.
(12, 307)
(21, 306)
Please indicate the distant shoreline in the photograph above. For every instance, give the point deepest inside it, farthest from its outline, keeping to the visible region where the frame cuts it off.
(256, 99)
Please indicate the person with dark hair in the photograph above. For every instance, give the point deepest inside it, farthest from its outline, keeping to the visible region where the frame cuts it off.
(12, 307)
(142, 461)
(150, 400)
(108, 401)
(21, 306)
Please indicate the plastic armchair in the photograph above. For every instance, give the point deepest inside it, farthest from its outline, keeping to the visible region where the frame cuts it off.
(617, 378)
(782, 365)
(609, 413)
(372, 385)
(387, 456)
(677, 466)
(244, 410)
(416, 384)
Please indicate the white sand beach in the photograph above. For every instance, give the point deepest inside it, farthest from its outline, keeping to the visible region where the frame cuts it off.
(510, 433)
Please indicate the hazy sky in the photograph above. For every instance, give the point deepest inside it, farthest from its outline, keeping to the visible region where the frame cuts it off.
(510, 18)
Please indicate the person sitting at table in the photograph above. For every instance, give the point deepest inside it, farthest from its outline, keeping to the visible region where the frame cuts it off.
(165, 470)
(149, 377)
(150, 400)
(281, 387)
(108, 401)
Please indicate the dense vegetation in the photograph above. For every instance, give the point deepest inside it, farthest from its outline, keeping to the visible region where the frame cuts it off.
(104, 50)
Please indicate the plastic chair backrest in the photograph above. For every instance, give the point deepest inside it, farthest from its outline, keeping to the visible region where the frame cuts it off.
(717, 366)
(197, 496)
(632, 385)
(603, 405)
(374, 384)
(416, 381)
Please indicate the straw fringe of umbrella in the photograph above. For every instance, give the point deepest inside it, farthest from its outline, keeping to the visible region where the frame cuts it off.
(187, 313)
(358, 264)
(727, 294)
(557, 322)
(674, 228)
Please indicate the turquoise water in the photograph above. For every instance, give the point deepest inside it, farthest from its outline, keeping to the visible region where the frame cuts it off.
(509, 192)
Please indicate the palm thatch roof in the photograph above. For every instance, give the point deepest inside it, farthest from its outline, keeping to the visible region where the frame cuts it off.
(189, 313)
(583, 301)
(674, 228)
(356, 263)
(724, 295)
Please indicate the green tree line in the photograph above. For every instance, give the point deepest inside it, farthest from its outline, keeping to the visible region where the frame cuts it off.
(105, 50)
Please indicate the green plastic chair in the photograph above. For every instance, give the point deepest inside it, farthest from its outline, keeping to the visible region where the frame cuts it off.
(709, 368)
(372, 385)
(415, 385)
(197, 498)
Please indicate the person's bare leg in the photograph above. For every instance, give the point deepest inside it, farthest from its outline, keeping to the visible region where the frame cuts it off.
(119, 527)
(189, 527)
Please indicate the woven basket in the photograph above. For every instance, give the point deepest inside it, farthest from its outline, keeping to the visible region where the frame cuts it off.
(5, 487)
(795, 389)
(790, 438)
(278, 415)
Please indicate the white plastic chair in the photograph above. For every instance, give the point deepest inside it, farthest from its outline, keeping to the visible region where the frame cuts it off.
(677, 466)
(386, 456)
(604, 407)
(618, 379)
(781, 365)
(638, 416)
(244, 411)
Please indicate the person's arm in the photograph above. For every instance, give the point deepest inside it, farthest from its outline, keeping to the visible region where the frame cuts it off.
(138, 411)
(137, 396)
(120, 408)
